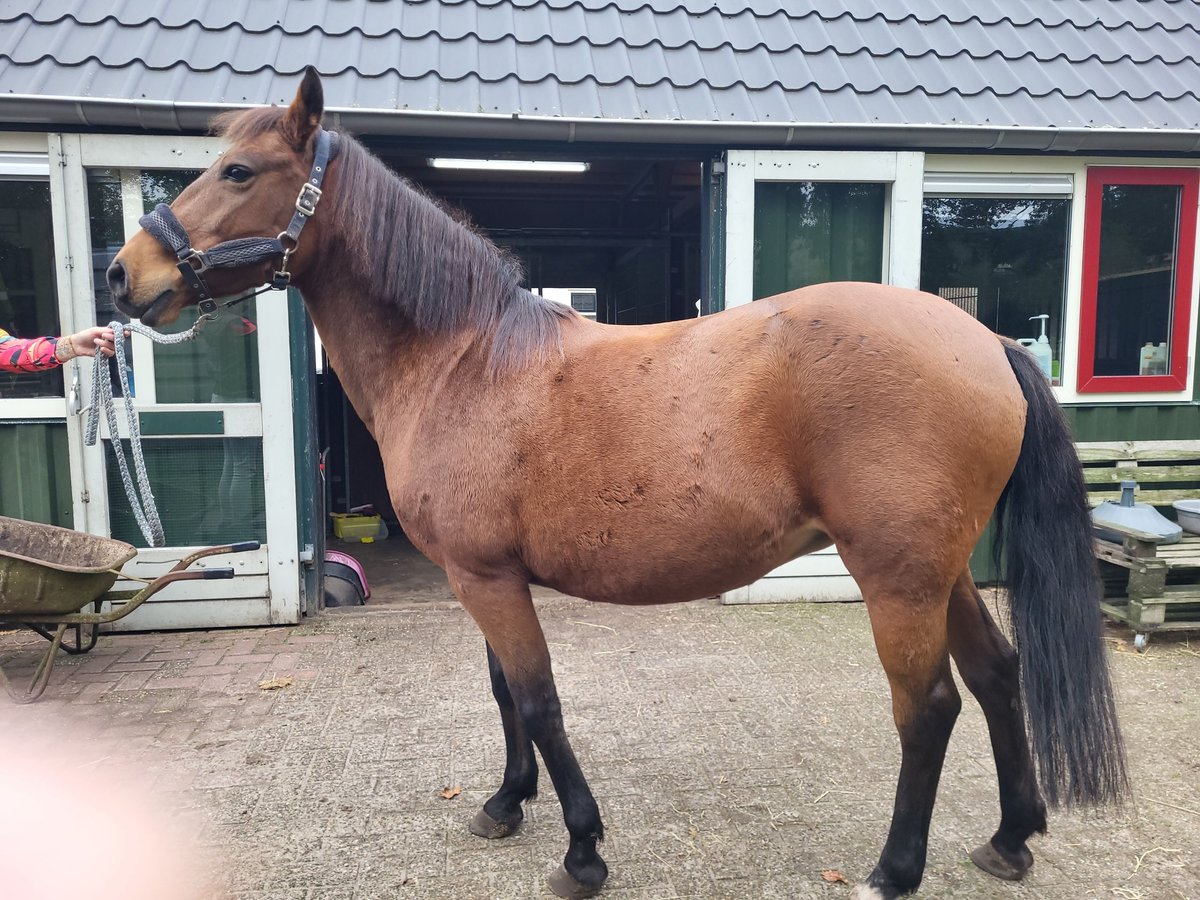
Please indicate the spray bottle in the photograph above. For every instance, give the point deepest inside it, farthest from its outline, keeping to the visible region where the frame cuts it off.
(1040, 347)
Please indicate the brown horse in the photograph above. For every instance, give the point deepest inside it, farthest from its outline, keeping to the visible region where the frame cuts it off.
(880, 420)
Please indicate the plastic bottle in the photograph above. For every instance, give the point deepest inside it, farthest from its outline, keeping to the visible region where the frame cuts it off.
(1040, 346)
(1146, 359)
(1152, 360)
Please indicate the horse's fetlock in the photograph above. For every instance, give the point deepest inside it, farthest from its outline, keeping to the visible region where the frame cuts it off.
(584, 823)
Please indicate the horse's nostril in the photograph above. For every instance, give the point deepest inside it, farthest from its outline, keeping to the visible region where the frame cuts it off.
(117, 282)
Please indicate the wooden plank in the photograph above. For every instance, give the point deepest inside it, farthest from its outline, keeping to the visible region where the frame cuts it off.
(1189, 543)
(1101, 451)
(1154, 498)
(1141, 474)
(1116, 554)
(1179, 557)
(1181, 593)
(1116, 611)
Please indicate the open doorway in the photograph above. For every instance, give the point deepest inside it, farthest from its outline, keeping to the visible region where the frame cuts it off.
(618, 237)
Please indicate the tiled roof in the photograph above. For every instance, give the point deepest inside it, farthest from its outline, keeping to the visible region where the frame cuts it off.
(979, 69)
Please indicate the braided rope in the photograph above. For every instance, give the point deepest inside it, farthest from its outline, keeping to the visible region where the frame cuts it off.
(144, 509)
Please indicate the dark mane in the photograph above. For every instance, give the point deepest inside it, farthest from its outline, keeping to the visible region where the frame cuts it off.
(409, 250)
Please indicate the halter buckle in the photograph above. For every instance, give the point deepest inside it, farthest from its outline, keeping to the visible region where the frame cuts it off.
(307, 199)
(197, 259)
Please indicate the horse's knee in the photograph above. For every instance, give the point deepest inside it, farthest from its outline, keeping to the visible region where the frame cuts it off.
(581, 815)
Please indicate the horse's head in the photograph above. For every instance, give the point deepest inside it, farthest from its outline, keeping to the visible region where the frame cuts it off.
(249, 192)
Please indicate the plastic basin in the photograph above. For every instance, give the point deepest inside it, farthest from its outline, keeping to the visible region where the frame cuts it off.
(1188, 514)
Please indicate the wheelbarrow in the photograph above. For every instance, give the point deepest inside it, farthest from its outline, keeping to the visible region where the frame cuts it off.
(49, 575)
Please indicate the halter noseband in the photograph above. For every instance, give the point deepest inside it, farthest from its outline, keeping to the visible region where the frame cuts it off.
(164, 227)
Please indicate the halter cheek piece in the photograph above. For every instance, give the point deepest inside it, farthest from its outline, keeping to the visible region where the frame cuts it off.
(164, 227)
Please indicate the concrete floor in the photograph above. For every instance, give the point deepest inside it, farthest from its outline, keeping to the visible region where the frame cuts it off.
(735, 752)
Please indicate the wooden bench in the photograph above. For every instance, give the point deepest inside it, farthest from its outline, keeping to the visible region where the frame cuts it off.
(1147, 585)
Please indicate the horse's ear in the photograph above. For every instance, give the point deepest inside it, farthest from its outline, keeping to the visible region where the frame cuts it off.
(304, 115)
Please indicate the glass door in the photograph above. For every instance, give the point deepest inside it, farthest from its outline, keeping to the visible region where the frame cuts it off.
(215, 413)
(794, 219)
(34, 443)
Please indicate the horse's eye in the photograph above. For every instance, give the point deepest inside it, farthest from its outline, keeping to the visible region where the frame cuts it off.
(237, 173)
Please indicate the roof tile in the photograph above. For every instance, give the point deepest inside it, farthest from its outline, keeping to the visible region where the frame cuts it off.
(1022, 63)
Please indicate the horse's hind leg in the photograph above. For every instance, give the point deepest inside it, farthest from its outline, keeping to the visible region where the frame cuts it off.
(910, 635)
(988, 665)
(504, 612)
(501, 814)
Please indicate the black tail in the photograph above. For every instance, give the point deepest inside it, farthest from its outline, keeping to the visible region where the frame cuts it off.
(1043, 533)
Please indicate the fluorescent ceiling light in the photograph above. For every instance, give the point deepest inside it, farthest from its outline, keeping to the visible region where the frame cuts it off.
(508, 165)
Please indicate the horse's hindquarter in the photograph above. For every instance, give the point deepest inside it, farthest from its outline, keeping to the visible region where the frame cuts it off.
(912, 417)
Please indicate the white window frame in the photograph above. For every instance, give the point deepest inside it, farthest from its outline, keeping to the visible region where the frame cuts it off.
(900, 172)
(27, 157)
(1017, 168)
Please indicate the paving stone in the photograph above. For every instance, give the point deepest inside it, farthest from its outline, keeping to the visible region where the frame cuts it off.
(735, 752)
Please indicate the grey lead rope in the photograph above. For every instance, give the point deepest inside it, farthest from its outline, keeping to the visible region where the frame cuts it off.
(144, 509)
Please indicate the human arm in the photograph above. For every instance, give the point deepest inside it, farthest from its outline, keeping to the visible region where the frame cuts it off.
(44, 353)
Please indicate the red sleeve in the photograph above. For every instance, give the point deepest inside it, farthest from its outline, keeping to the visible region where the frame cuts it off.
(27, 355)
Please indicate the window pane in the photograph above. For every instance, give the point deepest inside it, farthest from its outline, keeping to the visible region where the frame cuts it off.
(1139, 225)
(221, 365)
(107, 227)
(1001, 259)
(28, 294)
(812, 232)
(36, 485)
(207, 490)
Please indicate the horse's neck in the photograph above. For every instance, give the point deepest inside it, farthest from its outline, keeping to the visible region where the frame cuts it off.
(386, 370)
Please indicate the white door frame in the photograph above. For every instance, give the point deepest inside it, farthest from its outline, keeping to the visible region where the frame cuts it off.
(821, 575)
(30, 155)
(267, 589)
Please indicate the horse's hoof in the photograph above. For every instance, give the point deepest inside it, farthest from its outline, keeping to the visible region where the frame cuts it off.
(563, 884)
(866, 892)
(1002, 865)
(485, 826)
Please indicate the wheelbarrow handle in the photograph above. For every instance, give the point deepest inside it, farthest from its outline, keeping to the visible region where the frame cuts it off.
(226, 572)
(213, 551)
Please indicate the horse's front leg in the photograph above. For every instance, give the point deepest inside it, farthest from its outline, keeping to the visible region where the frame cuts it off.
(501, 814)
(503, 609)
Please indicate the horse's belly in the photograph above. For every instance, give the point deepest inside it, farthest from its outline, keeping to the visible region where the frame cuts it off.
(674, 572)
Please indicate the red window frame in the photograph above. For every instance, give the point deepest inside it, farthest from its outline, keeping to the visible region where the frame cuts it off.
(1185, 251)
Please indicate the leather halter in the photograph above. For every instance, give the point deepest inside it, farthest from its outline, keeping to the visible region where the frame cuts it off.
(165, 227)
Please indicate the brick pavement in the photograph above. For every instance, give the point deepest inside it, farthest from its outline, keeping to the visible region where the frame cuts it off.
(735, 752)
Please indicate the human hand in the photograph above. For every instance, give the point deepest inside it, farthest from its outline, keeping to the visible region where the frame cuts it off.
(91, 340)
